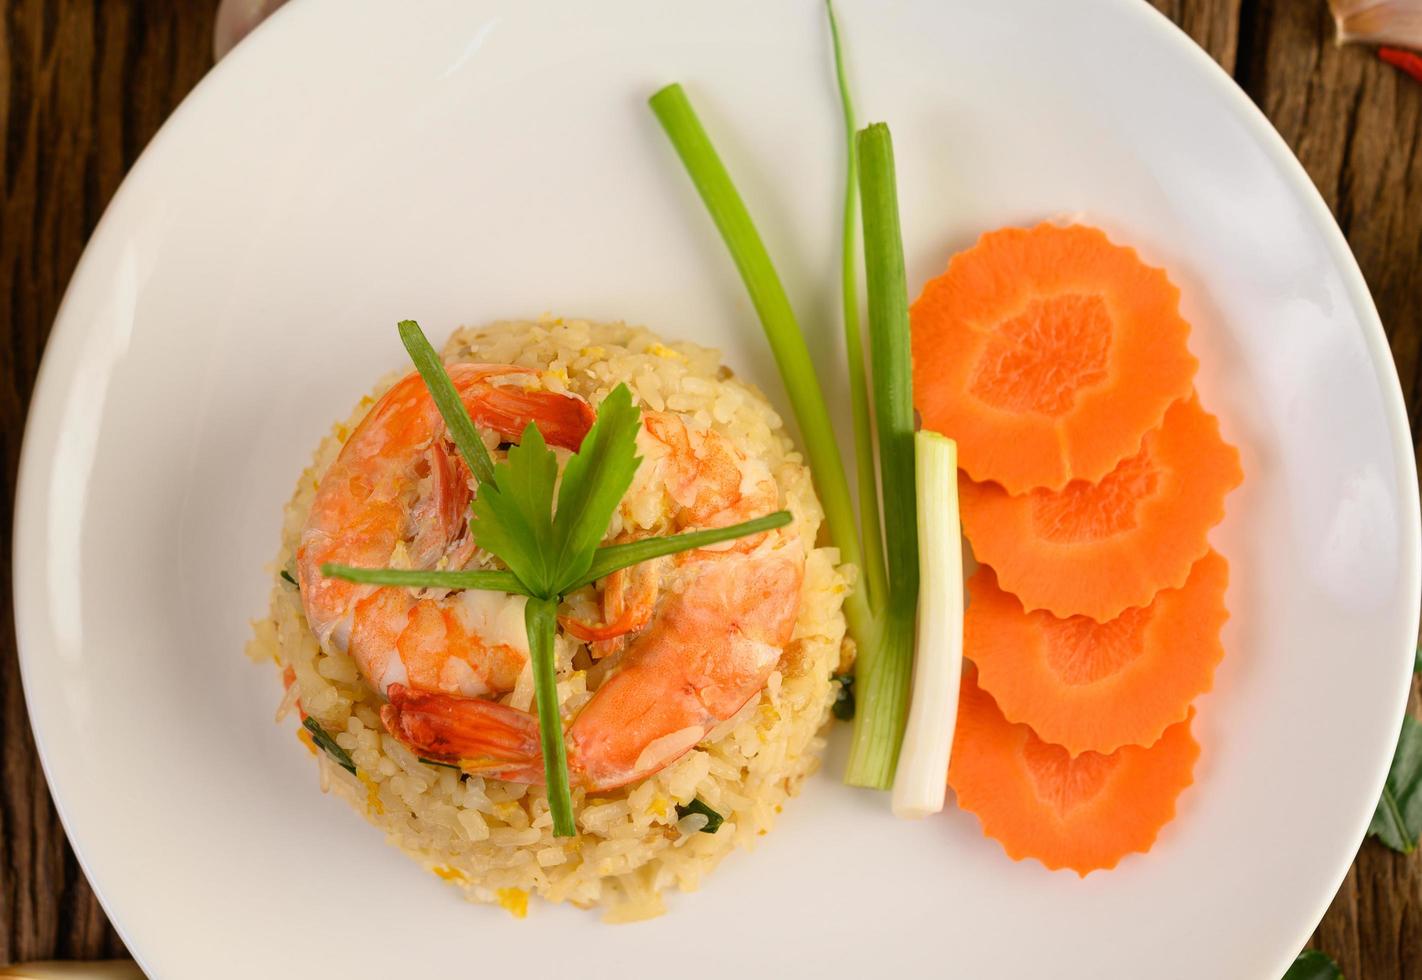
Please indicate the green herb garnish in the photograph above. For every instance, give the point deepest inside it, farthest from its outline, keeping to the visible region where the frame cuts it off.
(713, 819)
(447, 400)
(606, 560)
(513, 513)
(323, 739)
(418, 578)
(287, 575)
(549, 551)
(512, 521)
(843, 707)
(610, 558)
(1313, 965)
(540, 617)
(594, 482)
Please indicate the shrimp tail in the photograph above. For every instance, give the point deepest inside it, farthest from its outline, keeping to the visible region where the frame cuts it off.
(477, 735)
(630, 620)
(561, 419)
(626, 609)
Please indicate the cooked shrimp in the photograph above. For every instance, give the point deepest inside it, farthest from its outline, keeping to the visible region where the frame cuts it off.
(701, 481)
(704, 639)
(711, 483)
(398, 495)
(628, 597)
(709, 649)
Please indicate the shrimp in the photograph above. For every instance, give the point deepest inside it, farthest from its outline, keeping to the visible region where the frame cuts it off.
(706, 627)
(707, 484)
(629, 596)
(709, 650)
(399, 495)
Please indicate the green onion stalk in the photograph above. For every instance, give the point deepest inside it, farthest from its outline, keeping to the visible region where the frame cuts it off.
(880, 611)
(673, 109)
(884, 672)
(875, 580)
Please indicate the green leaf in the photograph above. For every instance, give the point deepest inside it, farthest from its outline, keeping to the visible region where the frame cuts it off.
(713, 819)
(594, 482)
(447, 400)
(323, 738)
(1313, 965)
(540, 618)
(289, 580)
(513, 514)
(1397, 821)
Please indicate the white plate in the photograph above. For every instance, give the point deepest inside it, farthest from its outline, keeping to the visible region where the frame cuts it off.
(359, 162)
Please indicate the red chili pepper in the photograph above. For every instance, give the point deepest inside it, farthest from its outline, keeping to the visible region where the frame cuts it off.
(1408, 61)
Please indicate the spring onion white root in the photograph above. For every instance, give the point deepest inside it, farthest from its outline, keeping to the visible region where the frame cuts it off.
(921, 780)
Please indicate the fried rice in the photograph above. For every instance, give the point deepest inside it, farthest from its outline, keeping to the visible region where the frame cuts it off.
(494, 840)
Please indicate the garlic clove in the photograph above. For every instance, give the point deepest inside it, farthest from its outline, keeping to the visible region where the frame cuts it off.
(236, 19)
(1396, 22)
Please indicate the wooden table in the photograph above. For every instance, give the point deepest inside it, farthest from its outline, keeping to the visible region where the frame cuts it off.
(84, 84)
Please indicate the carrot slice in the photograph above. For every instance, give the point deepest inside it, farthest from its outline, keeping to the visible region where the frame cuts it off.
(1094, 549)
(1083, 813)
(1090, 686)
(1047, 353)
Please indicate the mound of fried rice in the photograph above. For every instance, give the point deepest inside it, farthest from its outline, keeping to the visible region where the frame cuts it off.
(494, 840)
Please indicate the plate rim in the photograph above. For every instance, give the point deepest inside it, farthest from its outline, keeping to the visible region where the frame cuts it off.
(1384, 366)
(32, 486)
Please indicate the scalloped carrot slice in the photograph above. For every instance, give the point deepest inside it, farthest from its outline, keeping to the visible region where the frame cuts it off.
(1034, 798)
(1047, 353)
(1090, 686)
(1095, 549)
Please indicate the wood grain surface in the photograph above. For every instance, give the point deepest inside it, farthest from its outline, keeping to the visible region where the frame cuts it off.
(84, 84)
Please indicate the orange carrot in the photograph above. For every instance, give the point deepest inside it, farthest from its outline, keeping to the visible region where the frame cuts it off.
(1047, 353)
(1090, 686)
(1095, 549)
(1083, 813)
